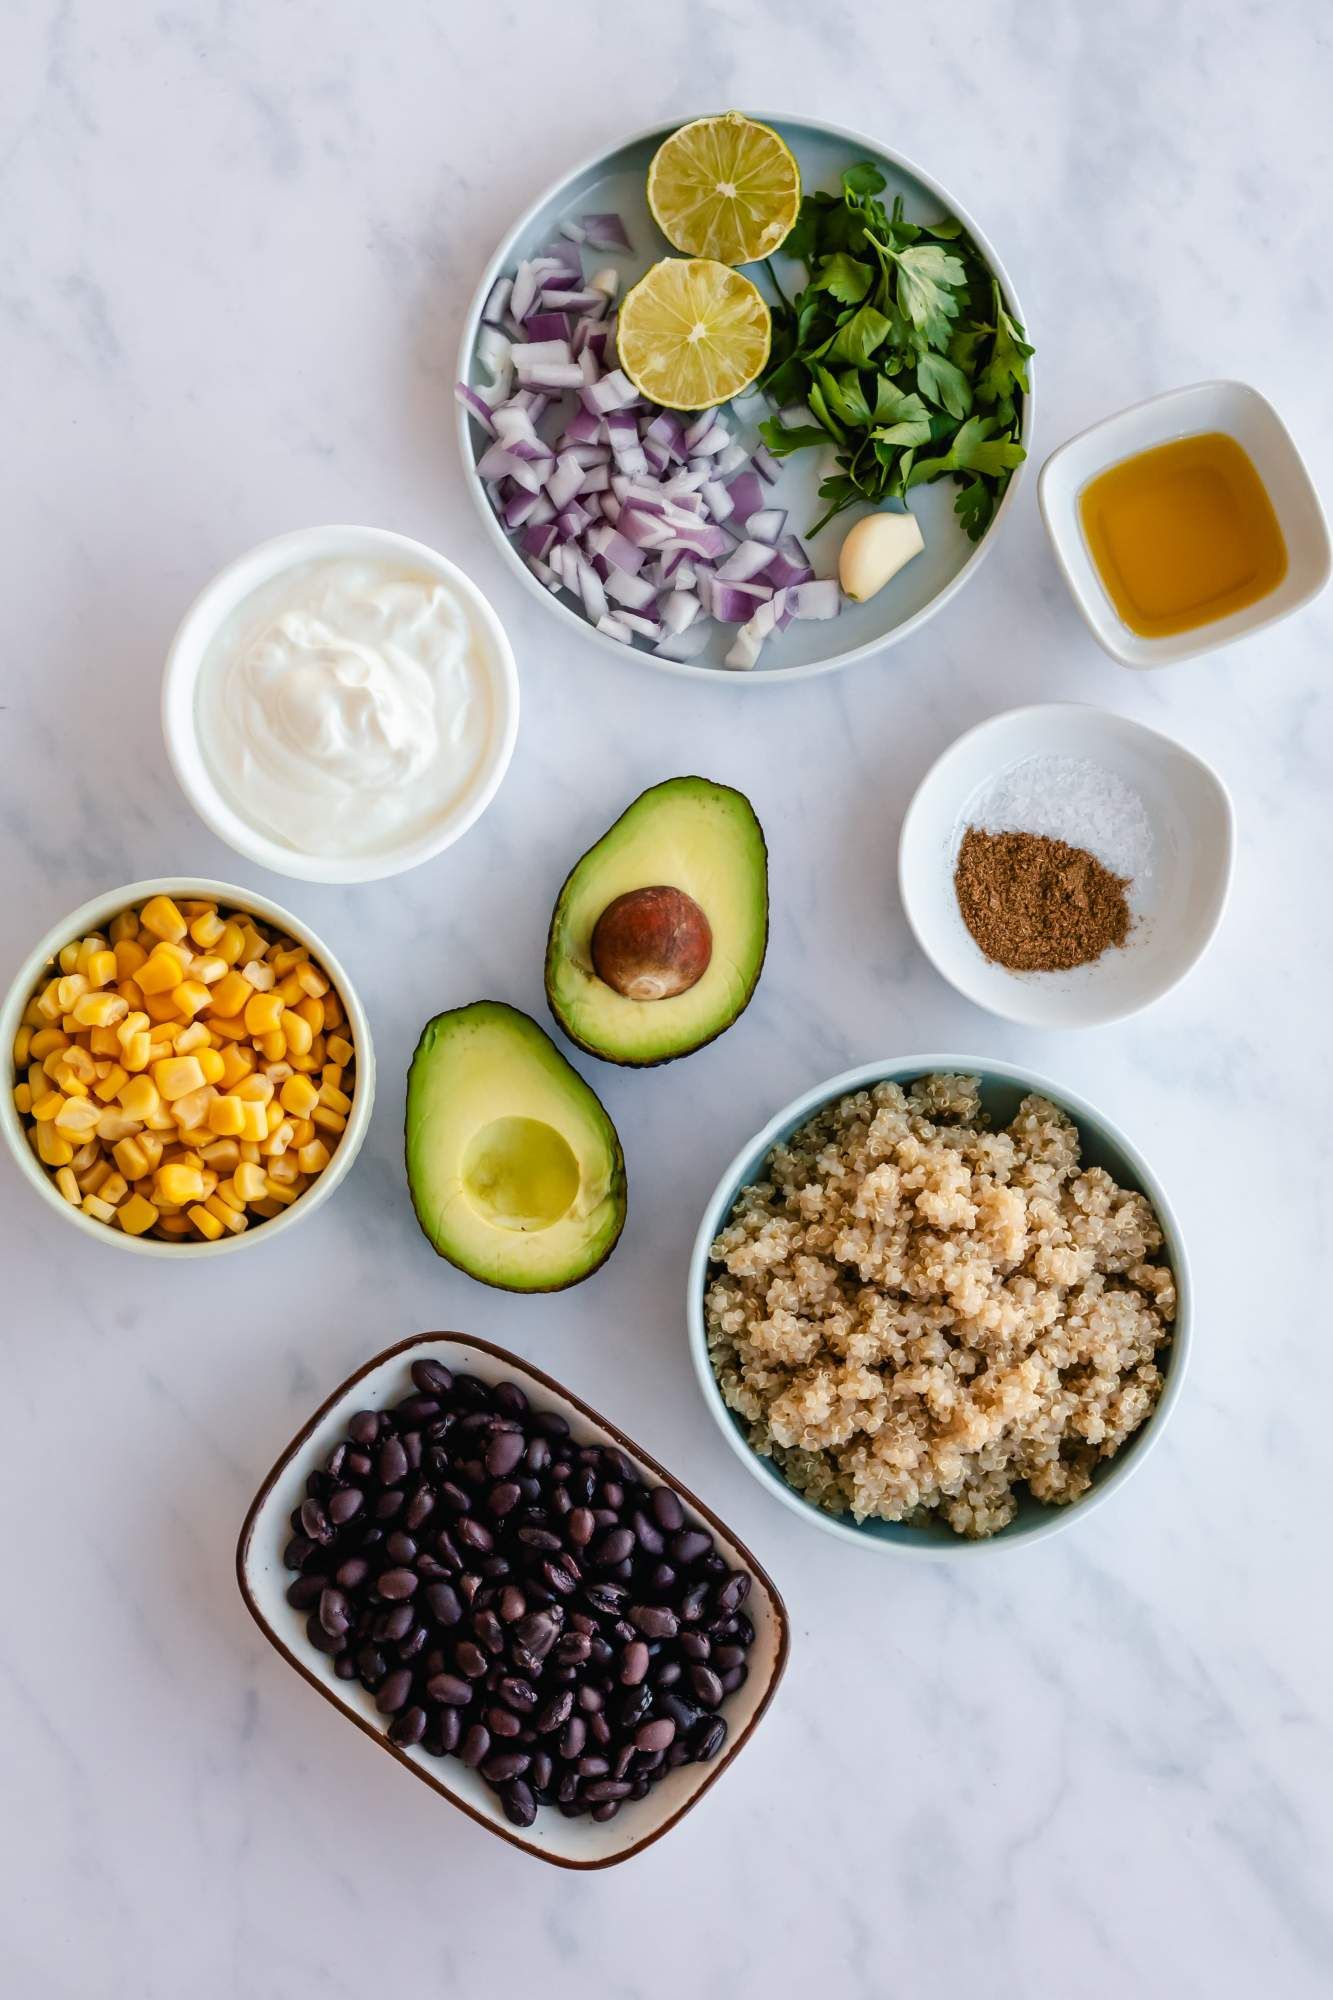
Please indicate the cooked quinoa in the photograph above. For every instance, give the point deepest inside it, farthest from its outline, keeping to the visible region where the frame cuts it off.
(914, 1315)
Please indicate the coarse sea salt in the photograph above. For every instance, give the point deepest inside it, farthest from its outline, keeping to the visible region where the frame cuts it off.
(1072, 799)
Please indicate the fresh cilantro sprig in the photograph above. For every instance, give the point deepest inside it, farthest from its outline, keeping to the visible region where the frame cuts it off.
(901, 348)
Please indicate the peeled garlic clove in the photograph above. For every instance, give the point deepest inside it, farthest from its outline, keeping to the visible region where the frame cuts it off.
(875, 549)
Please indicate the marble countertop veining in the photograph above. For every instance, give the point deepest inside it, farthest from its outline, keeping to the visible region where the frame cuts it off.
(237, 242)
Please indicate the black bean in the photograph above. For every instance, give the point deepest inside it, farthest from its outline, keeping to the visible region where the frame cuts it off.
(419, 1508)
(667, 1674)
(540, 1770)
(537, 1632)
(667, 1510)
(413, 1644)
(634, 1663)
(351, 1574)
(442, 1601)
(450, 1689)
(520, 1806)
(512, 1603)
(655, 1621)
(502, 1721)
(345, 1504)
(357, 1465)
(306, 1590)
(322, 1641)
(476, 1745)
(692, 1604)
(394, 1690)
(613, 1547)
(600, 1730)
(315, 1523)
(572, 1738)
(364, 1427)
(432, 1378)
(689, 1545)
(555, 1713)
(390, 1504)
(344, 1666)
(489, 1630)
(503, 1498)
(735, 1677)
(414, 1411)
(709, 1738)
(518, 1694)
(400, 1548)
(503, 1453)
(602, 1789)
(632, 1706)
(371, 1665)
(408, 1727)
(655, 1736)
(454, 1498)
(474, 1534)
(706, 1685)
(334, 1614)
(502, 1765)
(298, 1549)
(540, 1538)
(694, 1645)
(396, 1583)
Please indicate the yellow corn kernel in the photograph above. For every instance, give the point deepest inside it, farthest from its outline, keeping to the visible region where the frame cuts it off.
(312, 980)
(298, 1031)
(263, 1012)
(45, 1043)
(100, 1010)
(236, 1063)
(140, 1097)
(223, 1155)
(231, 944)
(101, 1211)
(231, 1028)
(136, 1215)
(124, 926)
(90, 1178)
(115, 1125)
(299, 1096)
(104, 1042)
(76, 1118)
(249, 1151)
(30, 1017)
(69, 1081)
(229, 1195)
(94, 942)
(313, 1010)
(130, 955)
(248, 1182)
(254, 1124)
(192, 1109)
(334, 1016)
(284, 1167)
(101, 968)
(161, 916)
(177, 1076)
(335, 1099)
(273, 1114)
(151, 1143)
(110, 1085)
(161, 1008)
(23, 1099)
(230, 1218)
(284, 958)
(210, 1062)
(206, 929)
(226, 1117)
(278, 1140)
(328, 1121)
(173, 1225)
(272, 1046)
(47, 1106)
(178, 1184)
(340, 1050)
(256, 944)
(190, 997)
(313, 1158)
(130, 1158)
(69, 1186)
(258, 975)
(88, 1155)
(114, 1189)
(22, 1047)
(209, 971)
(53, 1150)
(135, 1023)
(194, 1035)
(287, 990)
(255, 1089)
(71, 989)
(159, 973)
(267, 1208)
(278, 1072)
(137, 1052)
(279, 1192)
(131, 993)
(207, 1225)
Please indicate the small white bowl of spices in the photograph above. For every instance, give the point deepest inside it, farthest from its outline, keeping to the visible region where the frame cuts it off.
(340, 704)
(1063, 866)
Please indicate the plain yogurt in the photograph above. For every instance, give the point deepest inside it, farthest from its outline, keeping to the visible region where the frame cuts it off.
(345, 707)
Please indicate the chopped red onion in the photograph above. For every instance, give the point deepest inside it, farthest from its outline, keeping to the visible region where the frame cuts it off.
(615, 628)
(574, 231)
(789, 564)
(497, 301)
(635, 591)
(767, 525)
(747, 494)
(686, 645)
(751, 559)
(745, 648)
(731, 459)
(606, 232)
(581, 301)
(614, 392)
(573, 521)
(765, 464)
(475, 405)
(537, 540)
(527, 353)
(821, 599)
(679, 608)
(497, 463)
(649, 628)
(732, 603)
(543, 326)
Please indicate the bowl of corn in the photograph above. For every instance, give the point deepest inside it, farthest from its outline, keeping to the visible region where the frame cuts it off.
(190, 1068)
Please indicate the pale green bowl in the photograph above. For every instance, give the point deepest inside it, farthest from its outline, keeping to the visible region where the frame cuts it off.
(1002, 1088)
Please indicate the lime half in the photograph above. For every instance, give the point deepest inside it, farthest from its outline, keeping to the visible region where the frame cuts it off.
(692, 333)
(724, 187)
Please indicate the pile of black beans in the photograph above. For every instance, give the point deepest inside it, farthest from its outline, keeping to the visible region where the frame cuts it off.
(516, 1599)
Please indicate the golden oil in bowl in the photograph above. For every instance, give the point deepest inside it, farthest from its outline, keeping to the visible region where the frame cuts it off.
(1183, 534)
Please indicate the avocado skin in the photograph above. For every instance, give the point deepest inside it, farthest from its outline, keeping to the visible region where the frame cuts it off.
(673, 1055)
(619, 1185)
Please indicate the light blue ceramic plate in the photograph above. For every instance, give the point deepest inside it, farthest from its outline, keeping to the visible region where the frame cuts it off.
(1002, 1089)
(616, 181)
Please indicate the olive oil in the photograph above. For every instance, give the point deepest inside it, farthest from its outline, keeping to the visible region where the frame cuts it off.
(1183, 534)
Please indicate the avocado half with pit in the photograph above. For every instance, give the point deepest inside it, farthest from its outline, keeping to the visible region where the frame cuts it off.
(659, 934)
(515, 1170)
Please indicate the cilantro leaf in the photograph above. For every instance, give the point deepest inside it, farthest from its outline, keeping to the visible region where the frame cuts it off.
(845, 277)
(858, 337)
(862, 179)
(945, 383)
(925, 273)
(782, 439)
(1006, 370)
(900, 418)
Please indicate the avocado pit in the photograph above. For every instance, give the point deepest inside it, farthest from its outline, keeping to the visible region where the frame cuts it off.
(651, 944)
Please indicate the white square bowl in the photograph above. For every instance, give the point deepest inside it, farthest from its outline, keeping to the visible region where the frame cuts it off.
(263, 1579)
(1243, 414)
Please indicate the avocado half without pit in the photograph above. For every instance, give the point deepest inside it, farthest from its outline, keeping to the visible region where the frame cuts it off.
(515, 1169)
(659, 934)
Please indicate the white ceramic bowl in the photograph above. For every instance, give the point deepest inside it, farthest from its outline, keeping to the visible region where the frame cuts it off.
(569, 1843)
(215, 604)
(95, 916)
(1003, 1086)
(1240, 412)
(1177, 904)
(616, 180)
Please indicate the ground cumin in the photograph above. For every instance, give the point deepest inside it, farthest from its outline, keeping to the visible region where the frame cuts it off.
(1036, 904)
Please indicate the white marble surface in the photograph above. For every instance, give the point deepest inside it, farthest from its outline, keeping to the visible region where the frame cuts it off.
(237, 242)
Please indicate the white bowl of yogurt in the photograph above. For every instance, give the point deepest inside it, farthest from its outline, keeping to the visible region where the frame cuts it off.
(340, 704)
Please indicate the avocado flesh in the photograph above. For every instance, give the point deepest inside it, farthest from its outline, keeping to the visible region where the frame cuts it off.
(515, 1170)
(687, 834)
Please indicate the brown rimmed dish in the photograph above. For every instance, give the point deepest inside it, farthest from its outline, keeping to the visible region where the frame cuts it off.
(263, 1580)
